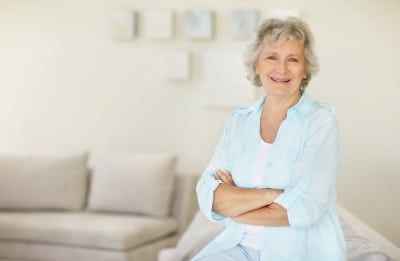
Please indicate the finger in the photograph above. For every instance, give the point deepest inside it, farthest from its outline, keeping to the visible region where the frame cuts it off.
(224, 176)
(217, 175)
(219, 171)
(226, 172)
(231, 180)
(227, 178)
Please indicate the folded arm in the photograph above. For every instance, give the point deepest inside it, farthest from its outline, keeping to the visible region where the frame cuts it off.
(271, 215)
(232, 201)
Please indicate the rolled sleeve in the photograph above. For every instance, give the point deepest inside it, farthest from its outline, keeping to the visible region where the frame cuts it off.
(207, 184)
(205, 195)
(290, 194)
(314, 175)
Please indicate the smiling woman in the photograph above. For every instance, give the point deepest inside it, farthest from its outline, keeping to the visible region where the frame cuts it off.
(272, 176)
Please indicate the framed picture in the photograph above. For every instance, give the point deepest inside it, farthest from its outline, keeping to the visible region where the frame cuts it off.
(242, 23)
(198, 24)
(158, 24)
(123, 24)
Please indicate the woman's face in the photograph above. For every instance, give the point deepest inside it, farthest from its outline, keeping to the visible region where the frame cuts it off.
(282, 68)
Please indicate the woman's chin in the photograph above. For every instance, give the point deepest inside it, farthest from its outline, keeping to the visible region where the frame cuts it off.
(281, 90)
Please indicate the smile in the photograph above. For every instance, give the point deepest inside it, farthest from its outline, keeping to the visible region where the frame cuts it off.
(282, 80)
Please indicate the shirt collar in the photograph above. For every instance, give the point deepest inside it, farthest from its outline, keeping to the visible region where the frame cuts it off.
(302, 106)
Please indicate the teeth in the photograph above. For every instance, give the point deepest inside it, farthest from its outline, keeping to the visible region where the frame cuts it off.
(279, 80)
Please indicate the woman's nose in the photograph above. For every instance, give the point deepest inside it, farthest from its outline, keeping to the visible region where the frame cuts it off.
(281, 66)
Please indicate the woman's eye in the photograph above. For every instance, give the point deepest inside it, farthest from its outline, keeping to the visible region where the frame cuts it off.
(293, 60)
(272, 57)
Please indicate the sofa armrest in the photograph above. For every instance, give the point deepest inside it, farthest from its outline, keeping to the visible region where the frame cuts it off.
(184, 203)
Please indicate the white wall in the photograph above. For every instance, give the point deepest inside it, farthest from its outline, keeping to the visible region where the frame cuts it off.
(65, 86)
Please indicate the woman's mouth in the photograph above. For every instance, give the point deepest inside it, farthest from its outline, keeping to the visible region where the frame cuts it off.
(280, 80)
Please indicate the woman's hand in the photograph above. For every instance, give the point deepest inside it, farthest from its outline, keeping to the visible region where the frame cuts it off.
(225, 176)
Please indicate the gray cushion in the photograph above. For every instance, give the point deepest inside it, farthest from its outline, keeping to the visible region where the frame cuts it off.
(132, 183)
(84, 229)
(39, 182)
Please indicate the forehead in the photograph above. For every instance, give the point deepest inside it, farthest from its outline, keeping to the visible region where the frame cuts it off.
(287, 46)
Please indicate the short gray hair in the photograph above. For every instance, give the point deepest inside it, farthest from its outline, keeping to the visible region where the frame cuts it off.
(278, 31)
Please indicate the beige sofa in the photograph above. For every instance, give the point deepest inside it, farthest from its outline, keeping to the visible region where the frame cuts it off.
(102, 206)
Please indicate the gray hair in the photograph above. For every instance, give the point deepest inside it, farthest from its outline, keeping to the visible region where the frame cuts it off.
(278, 31)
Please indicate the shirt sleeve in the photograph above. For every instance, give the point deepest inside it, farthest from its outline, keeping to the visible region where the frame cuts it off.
(312, 189)
(207, 183)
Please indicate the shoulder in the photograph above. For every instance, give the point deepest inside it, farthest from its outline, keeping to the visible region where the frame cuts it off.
(244, 116)
(246, 111)
(317, 114)
(241, 111)
(321, 116)
(320, 110)
(241, 115)
(238, 118)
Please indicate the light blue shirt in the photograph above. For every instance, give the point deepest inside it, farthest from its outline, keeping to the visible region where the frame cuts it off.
(304, 161)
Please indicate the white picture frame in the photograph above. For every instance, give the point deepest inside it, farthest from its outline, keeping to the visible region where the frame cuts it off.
(123, 24)
(242, 23)
(198, 24)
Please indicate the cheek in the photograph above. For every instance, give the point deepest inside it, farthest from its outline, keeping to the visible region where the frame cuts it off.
(302, 73)
(263, 68)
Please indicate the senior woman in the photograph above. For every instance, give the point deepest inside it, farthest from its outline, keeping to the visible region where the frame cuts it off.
(272, 176)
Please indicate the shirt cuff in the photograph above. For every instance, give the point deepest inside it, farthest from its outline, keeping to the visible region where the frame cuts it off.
(290, 194)
(207, 198)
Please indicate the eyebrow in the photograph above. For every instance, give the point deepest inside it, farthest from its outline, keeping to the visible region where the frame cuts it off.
(291, 54)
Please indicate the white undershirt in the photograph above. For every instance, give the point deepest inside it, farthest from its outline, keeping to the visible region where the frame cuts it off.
(254, 234)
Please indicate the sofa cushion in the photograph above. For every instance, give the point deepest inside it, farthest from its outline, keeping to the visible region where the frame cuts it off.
(84, 229)
(132, 183)
(39, 182)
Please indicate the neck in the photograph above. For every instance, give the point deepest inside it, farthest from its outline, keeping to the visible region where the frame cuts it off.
(279, 106)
